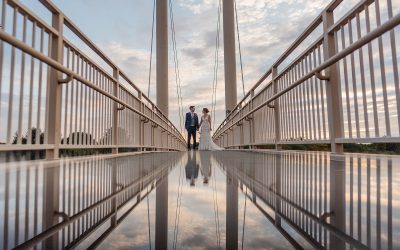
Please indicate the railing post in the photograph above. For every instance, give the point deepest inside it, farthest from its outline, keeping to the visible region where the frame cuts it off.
(53, 114)
(333, 95)
(152, 126)
(251, 125)
(141, 123)
(241, 128)
(276, 110)
(115, 115)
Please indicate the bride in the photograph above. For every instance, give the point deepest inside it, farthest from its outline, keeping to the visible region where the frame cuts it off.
(206, 142)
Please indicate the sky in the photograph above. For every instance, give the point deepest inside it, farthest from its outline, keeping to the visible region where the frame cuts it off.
(122, 29)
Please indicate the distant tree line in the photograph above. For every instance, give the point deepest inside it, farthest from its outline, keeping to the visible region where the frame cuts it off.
(370, 148)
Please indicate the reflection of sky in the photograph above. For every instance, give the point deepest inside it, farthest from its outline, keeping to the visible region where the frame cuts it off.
(196, 229)
(301, 176)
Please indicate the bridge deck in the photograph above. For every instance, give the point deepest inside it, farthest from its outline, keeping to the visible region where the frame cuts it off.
(202, 199)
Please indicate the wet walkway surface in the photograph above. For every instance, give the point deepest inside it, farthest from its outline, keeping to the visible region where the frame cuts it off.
(202, 200)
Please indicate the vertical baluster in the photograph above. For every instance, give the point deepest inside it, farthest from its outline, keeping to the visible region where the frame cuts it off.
(362, 75)
(383, 72)
(281, 105)
(312, 94)
(91, 106)
(39, 100)
(297, 103)
(288, 121)
(71, 113)
(394, 62)
(66, 101)
(2, 26)
(108, 114)
(102, 100)
(372, 74)
(95, 107)
(354, 81)
(32, 70)
(85, 107)
(316, 96)
(292, 107)
(305, 99)
(322, 94)
(22, 84)
(276, 110)
(77, 99)
(12, 74)
(82, 105)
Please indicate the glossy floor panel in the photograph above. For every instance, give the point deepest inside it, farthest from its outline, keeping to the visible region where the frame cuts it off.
(203, 200)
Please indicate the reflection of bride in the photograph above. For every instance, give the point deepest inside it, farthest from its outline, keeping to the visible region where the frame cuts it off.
(206, 143)
(205, 166)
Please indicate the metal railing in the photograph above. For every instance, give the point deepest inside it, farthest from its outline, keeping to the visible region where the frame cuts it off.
(343, 88)
(58, 94)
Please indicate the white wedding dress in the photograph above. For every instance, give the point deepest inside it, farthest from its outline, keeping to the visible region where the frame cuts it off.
(206, 143)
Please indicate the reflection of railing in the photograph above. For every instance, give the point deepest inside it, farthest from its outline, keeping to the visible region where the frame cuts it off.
(63, 203)
(61, 94)
(337, 90)
(319, 195)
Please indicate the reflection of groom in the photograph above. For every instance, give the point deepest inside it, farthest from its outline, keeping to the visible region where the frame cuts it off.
(191, 125)
(192, 168)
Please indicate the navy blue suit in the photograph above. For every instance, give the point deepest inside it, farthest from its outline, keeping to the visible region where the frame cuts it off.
(191, 128)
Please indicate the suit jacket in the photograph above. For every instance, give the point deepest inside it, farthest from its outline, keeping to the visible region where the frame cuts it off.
(188, 120)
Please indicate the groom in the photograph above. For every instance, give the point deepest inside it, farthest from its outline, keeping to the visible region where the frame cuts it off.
(191, 125)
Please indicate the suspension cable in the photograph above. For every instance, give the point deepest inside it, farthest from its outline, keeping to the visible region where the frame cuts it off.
(176, 64)
(151, 47)
(216, 61)
(240, 50)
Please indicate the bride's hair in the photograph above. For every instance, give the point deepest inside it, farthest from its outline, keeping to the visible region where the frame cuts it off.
(206, 110)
